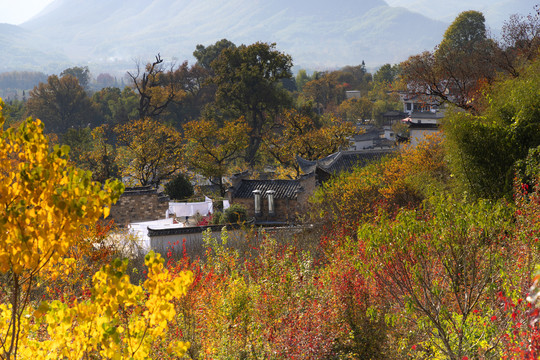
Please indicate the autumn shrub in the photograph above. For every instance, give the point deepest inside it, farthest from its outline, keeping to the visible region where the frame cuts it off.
(443, 266)
(399, 181)
(528, 169)
(359, 308)
(521, 339)
(218, 218)
(236, 213)
(268, 302)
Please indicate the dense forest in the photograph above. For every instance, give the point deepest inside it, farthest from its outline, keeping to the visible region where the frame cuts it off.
(429, 253)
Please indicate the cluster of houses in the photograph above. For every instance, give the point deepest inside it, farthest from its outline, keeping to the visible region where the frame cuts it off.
(274, 203)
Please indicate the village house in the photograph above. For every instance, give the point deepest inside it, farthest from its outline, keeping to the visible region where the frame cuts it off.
(272, 201)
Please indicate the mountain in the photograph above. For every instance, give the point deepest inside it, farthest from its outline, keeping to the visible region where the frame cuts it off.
(22, 49)
(496, 12)
(318, 34)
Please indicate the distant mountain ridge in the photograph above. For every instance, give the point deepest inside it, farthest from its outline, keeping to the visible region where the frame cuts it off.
(318, 34)
(21, 49)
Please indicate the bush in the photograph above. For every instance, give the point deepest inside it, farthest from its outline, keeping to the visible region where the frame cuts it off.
(236, 213)
(179, 187)
(218, 218)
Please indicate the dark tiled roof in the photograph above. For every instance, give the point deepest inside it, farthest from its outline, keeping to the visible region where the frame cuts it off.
(394, 113)
(368, 134)
(426, 115)
(427, 99)
(348, 160)
(423, 126)
(342, 161)
(140, 190)
(285, 189)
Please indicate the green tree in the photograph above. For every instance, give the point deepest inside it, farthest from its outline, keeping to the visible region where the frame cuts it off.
(14, 111)
(386, 73)
(179, 187)
(236, 213)
(115, 106)
(125, 108)
(301, 79)
(247, 79)
(91, 150)
(103, 159)
(198, 92)
(466, 31)
(460, 67)
(80, 144)
(61, 104)
(483, 148)
(206, 55)
(81, 73)
(385, 98)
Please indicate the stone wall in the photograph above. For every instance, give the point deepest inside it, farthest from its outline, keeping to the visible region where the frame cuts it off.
(286, 210)
(139, 204)
(309, 185)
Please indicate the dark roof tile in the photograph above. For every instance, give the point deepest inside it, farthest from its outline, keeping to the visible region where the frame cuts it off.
(285, 189)
(342, 161)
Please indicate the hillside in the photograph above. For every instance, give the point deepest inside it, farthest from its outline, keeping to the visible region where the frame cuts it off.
(316, 34)
(22, 49)
(496, 12)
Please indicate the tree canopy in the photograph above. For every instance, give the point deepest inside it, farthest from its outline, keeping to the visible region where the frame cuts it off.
(157, 88)
(247, 80)
(467, 30)
(61, 103)
(297, 134)
(153, 151)
(205, 55)
(484, 148)
(211, 149)
(81, 73)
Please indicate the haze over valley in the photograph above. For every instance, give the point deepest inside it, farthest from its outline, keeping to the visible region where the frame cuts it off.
(111, 35)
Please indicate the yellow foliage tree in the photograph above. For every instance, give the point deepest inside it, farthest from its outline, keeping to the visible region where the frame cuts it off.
(211, 149)
(154, 150)
(297, 134)
(44, 203)
(356, 109)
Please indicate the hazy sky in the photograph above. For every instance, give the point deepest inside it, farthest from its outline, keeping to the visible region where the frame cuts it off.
(18, 11)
